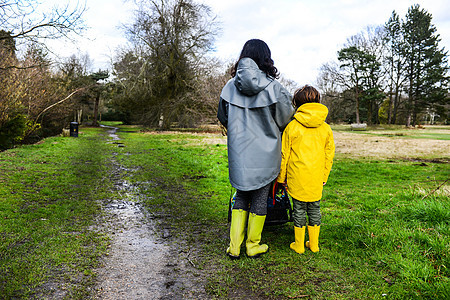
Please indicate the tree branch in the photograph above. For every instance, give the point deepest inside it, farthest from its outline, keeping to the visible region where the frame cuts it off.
(59, 102)
(433, 191)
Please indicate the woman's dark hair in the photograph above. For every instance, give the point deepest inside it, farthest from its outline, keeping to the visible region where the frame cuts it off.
(260, 53)
(306, 94)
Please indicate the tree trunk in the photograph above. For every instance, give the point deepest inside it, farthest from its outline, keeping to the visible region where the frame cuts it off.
(410, 94)
(161, 121)
(79, 115)
(395, 109)
(391, 91)
(390, 107)
(414, 117)
(358, 121)
(369, 112)
(96, 103)
(409, 112)
(376, 111)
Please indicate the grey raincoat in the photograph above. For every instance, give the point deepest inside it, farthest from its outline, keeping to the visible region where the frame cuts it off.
(255, 109)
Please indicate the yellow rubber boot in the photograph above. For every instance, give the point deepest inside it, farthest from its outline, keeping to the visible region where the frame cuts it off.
(313, 243)
(237, 231)
(254, 230)
(299, 244)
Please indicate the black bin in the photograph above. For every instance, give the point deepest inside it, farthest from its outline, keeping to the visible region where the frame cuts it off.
(74, 129)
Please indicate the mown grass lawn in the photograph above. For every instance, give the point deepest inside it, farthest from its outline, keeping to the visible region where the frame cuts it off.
(49, 199)
(385, 231)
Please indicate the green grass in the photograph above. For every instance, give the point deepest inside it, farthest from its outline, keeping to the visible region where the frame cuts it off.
(385, 234)
(49, 197)
(379, 236)
(111, 123)
(396, 131)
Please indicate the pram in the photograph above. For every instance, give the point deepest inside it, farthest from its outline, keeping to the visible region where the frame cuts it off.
(279, 208)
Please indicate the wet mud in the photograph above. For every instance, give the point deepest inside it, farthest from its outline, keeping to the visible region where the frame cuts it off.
(144, 260)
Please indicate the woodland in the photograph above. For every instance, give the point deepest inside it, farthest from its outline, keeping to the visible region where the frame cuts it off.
(167, 76)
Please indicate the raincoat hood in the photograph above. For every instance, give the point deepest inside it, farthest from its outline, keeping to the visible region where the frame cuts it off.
(311, 114)
(249, 79)
(251, 87)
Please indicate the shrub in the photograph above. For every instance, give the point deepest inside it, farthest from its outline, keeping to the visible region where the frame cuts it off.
(13, 131)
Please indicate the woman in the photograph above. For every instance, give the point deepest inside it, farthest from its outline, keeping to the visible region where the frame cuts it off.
(254, 108)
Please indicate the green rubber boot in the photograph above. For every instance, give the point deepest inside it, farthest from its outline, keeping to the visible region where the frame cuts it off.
(313, 243)
(237, 231)
(299, 244)
(254, 230)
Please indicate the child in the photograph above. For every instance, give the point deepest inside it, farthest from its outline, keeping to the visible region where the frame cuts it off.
(307, 157)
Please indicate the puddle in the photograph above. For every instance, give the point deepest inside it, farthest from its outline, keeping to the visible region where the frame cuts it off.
(112, 132)
(114, 137)
(144, 261)
(135, 266)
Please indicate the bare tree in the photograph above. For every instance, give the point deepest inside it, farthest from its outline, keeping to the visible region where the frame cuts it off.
(333, 86)
(170, 39)
(211, 79)
(289, 84)
(28, 84)
(23, 20)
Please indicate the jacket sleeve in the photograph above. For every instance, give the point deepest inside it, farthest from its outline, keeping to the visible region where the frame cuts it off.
(222, 112)
(329, 155)
(283, 109)
(285, 152)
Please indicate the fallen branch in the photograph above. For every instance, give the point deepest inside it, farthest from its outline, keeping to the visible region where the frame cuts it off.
(59, 102)
(433, 191)
(21, 68)
(189, 260)
(35, 124)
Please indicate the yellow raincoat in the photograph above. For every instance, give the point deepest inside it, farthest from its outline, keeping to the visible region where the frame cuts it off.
(307, 153)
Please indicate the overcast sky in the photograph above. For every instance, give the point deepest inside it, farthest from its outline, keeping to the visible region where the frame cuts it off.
(302, 34)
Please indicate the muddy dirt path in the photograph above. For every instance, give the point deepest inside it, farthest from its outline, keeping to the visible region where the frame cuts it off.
(144, 261)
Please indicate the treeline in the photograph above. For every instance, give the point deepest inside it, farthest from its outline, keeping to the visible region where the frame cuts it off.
(395, 74)
(392, 74)
(166, 77)
(38, 96)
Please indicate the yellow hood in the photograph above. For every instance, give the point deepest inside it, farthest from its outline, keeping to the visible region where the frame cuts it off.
(311, 114)
(307, 153)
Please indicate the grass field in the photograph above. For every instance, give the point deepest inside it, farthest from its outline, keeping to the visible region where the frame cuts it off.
(49, 199)
(385, 231)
